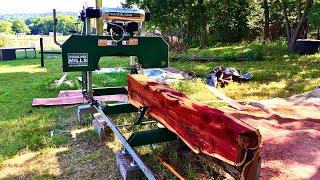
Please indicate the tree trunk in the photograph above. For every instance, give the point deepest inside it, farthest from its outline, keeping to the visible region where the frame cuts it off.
(286, 20)
(204, 129)
(189, 26)
(203, 24)
(299, 8)
(293, 36)
(266, 20)
(299, 29)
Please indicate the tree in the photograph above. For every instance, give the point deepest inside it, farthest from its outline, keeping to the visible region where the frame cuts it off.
(44, 25)
(229, 20)
(314, 19)
(199, 22)
(6, 27)
(66, 24)
(293, 35)
(41, 25)
(203, 23)
(3, 41)
(19, 26)
(266, 20)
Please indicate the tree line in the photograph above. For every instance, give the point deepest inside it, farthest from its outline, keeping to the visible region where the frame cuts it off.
(38, 25)
(201, 23)
(207, 22)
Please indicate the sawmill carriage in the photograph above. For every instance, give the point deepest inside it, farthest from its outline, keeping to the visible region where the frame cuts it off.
(205, 130)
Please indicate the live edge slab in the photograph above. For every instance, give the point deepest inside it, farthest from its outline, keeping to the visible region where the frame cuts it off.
(203, 128)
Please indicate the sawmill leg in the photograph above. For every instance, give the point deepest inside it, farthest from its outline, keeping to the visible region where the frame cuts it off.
(128, 170)
(83, 111)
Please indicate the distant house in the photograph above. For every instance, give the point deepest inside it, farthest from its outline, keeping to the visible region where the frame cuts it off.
(58, 34)
(20, 34)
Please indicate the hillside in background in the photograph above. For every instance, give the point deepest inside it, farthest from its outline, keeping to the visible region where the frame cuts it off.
(26, 16)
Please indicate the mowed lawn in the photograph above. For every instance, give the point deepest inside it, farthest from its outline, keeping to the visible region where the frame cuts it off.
(48, 142)
(42, 131)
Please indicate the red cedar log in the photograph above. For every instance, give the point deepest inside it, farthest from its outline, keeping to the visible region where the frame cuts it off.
(204, 129)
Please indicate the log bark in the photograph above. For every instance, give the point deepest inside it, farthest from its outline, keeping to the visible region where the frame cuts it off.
(204, 129)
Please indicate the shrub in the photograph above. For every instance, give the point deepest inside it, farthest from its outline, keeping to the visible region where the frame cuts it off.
(3, 41)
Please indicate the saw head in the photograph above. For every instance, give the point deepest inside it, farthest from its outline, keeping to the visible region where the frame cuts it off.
(124, 14)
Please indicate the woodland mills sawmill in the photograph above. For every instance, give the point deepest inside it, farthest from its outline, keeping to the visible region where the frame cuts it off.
(203, 129)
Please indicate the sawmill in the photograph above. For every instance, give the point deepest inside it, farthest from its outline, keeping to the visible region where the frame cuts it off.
(207, 131)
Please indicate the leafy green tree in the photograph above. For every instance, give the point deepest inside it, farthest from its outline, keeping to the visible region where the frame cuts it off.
(6, 27)
(66, 24)
(295, 28)
(229, 22)
(44, 25)
(199, 22)
(41, 25)
(314, 17)
(183, 19)
(19, 26)
(3, 41)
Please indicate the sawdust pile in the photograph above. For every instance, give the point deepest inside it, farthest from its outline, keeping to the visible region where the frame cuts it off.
(290, 130)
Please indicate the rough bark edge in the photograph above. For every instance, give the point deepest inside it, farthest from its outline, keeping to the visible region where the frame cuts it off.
(215, 155)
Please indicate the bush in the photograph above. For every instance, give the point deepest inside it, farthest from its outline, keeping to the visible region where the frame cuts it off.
(3, 41)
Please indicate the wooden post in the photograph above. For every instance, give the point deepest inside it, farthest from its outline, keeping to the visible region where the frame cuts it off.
(41, 49)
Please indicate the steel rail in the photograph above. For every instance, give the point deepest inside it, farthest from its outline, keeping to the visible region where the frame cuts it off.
(126, 145)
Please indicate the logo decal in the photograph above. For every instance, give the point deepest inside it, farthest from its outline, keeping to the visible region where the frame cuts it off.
(77, 59)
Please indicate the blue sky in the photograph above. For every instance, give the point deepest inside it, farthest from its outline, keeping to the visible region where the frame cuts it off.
(41, 6)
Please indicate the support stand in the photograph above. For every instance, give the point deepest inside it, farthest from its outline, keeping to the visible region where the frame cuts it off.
(128, 170)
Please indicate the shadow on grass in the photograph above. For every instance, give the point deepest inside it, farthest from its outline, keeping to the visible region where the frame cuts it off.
(255, 51)
(84, 157)
(279, 77)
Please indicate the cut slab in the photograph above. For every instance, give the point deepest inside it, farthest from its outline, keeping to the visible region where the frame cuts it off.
(233, 103)
(204, 129)
(74, 97)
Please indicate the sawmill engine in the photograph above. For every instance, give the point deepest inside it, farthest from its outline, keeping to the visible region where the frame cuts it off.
(118, 21)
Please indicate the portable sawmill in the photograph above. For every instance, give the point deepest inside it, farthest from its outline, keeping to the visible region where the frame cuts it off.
(119, 32)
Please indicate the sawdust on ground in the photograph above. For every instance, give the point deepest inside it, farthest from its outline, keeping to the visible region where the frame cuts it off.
(290, 130)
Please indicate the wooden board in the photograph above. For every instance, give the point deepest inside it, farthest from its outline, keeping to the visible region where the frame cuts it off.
(73, 97)
(233, 103)
(204, 129)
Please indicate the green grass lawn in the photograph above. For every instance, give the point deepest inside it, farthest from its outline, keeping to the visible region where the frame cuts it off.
(276, 77)
(27, 129)
(21, 125)
(33, 40)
